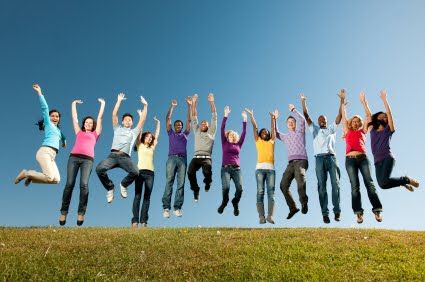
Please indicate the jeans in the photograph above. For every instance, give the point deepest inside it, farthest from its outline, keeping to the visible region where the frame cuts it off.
(175, 165)
(328, 164)
(194, 166)
(383, 171)
(74, 164)
(295, 169)
(353, 166)
(146, 177)
(116, 160)
(50, 173)
(265, 176)
(228, 173)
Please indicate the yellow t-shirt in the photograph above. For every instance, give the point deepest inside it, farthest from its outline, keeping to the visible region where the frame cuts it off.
(265, 151)
(145, 155)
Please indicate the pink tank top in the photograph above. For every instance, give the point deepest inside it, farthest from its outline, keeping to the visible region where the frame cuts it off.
(355, 141)
(84, 143)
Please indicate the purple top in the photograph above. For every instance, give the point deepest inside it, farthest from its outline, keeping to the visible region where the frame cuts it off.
(177, 142)
(295, 140)
(380, 142)
(231, 150)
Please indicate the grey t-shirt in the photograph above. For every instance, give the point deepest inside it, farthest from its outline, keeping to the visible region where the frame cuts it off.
(204, 141)
(124, 138)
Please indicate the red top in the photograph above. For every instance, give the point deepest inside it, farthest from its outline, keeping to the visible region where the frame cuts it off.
(355, 141)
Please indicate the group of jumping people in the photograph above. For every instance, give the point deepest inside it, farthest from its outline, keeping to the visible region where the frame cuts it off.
(126, 139)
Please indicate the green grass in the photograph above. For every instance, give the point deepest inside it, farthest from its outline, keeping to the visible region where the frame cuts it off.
(211, 254)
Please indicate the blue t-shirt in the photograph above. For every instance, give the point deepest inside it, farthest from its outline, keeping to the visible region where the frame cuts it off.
(124, 138)
(53, 137)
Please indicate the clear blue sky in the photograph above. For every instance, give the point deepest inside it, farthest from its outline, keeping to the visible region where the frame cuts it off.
(258, 54)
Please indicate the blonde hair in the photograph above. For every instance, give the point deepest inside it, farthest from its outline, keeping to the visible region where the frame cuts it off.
(351, 120)
(234, 133)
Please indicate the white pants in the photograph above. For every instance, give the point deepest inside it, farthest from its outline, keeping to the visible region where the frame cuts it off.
(46, 158)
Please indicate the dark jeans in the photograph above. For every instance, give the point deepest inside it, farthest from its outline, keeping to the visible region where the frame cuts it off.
(116, 160)
(228, 173)
(194, 166)
(328, 164)
(176, 165)
(268, 177)
(85, 166)
(146, 177)
(295, 169)
(383, 171)
(353, 166)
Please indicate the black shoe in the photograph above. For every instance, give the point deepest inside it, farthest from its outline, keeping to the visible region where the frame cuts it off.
(80, 220)
(221, 208)
(292, 213)
(304, 208)
(235, 208)
(196, 196)
(62, 222)
(326, 219)
(337, 216)
(207, 187)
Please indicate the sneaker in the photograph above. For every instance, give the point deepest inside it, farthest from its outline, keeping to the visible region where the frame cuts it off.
(21, 176)
(196, 196)
(166, 213)
(235, 208)
(221, 208)
(359, 218)
(144, 225)
(270, 219)
(304, 208)
(178, 212)
(408, 187)
(378, 216)
(326, 219)
(134, 225)
(124, 193)
(413, 182)
(292, 213)
(110, 195)
(207, 187)
(337, 216)
(27, 182)
(262, 220)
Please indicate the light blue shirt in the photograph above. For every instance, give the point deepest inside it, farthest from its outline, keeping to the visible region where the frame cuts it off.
(323, 139)
(124, 138)
(52, 134)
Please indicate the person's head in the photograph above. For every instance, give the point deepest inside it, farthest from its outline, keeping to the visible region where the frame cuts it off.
(204, 126)
(379, 119)
(232, 136)
(147, 138)
(264, 134)
(54, 116)
(291, 123)
(178, 126)
(355, 123)
(89, 124)
(127, 120)
(322, 121)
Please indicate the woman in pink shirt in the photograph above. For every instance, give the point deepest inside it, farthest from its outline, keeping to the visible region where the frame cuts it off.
(81, 157)
(356, 160)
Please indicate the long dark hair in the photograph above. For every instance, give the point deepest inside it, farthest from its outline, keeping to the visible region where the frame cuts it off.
(268, 137)
(84, 121)
(375, 121)
(40, 122)
(141, 138)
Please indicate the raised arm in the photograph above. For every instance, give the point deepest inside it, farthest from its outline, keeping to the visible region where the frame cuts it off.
(74, 115)
(274, 129)
(299, 118)
(341, 95)
(173, 104)
(368, 113)
(194, 105)
(43, 103)
(213, 126)
(142, 114)
(244, 120)
(223, 124)
(383, 95)
(120, 98)
(254, 123)
(189, 109)
(305, 110)
(212, 103)
(156, 134)
(100, 116)
(344, 118)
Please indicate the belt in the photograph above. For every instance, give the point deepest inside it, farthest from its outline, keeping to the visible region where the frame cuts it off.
(178, 155)
(231, 166)
(119, 152)
(202, 157)
(325, 155)
(356, 156)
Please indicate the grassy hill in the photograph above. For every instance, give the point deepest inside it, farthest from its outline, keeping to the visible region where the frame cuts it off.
(210, 254)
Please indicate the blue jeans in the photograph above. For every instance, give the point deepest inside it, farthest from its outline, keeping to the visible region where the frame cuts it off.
(116, 160)
(145, 177)
(383, 171)
(175, 165)
(353, 166)
(228, 173)
(328, 164)
(268, 177)
(85, 166)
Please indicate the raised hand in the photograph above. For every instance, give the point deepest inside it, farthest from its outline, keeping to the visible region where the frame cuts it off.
(249, 111)
(211, 97)
(77, 102)
(173, 103)
(342, 94)
(244, 116)
(155, 119)
(291, 107)
(143, 100)
(362, 97)
(189, 100)
(226, 111)
(274, 114)
(37, 88)
(194, 98)
(303, 97)
(101, 100)
(383, 95)
(121, 97)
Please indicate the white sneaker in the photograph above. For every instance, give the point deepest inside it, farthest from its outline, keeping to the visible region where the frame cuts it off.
(123, 191)
(144, 225)
(178, 213)
(110, 195)
(166, 213)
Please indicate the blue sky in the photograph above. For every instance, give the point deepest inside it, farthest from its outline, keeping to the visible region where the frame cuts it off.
(249, 53)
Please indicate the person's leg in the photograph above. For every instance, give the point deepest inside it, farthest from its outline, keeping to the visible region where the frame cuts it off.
(384, 170)
(300, 169)
(46, 159)
(207, 172)
(285, 183)
(321, 184)
(149, 180)
(181, 175)
(335, 175)
(260, 177)
(236, 175)
(353, 174)
(364, 167)
(71, 175)
(138, 186)
(170, 171)
(109, 163)
(270, 183)
(86, 168)
(191, 175)
(126, 164)
(225, 182)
